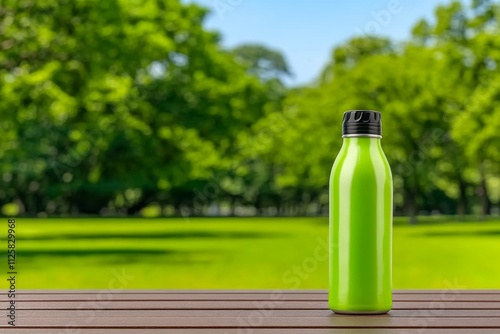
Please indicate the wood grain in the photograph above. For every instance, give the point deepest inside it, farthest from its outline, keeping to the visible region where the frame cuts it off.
(242, 312)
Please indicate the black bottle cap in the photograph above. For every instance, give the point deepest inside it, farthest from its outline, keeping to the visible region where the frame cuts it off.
(358, 123)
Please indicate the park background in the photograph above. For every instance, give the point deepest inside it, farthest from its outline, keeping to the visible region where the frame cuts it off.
(139, 151)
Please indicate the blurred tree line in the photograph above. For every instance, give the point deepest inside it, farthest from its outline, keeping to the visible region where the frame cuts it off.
(128, 106)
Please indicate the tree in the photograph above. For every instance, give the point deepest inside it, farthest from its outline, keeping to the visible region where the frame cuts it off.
(467, 36)
(111, 106)
(116, 104)
(262, 61)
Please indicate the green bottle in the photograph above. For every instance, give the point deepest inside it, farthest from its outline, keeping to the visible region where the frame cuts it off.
(361, 219)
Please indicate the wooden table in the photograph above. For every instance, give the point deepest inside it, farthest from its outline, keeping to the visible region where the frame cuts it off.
(246, 312)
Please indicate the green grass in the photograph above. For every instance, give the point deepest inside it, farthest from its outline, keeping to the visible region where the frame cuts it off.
(232, 253)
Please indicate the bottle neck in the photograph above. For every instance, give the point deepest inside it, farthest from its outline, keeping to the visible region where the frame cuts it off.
(362, 142)
(362, 136)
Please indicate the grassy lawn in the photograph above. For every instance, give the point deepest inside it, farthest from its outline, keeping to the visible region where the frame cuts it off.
(232, 253)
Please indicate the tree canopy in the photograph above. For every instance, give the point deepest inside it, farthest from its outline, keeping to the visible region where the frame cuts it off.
(117, 107)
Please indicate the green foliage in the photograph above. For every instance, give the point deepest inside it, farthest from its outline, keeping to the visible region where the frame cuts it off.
(132, 107)
(262, 61)
(439, 98)
(104, 98)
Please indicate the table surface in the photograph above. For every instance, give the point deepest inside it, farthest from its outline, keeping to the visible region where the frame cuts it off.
(245, 312)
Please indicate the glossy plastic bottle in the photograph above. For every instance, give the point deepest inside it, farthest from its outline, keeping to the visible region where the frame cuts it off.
(361, 219)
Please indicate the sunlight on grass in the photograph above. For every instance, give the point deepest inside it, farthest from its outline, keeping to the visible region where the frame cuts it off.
(233, 253)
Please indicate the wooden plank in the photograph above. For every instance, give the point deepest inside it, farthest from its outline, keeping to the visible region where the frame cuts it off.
(236, 304)
(250, 331)
(152, 291)
(174, 297)
(258, 312)
(106, 295)
(447, 296)
(261, 321)
(242, 313)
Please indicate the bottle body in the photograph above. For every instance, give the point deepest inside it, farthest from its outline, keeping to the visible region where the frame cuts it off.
(360, 225)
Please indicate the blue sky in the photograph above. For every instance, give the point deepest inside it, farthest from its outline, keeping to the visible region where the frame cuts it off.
(305, 31)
